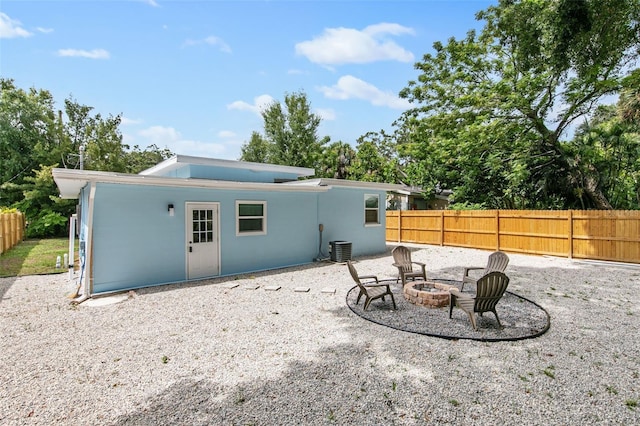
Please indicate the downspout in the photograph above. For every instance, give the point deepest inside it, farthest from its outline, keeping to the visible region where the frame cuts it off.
(87, 284)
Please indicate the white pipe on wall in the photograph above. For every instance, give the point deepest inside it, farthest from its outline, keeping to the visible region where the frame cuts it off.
(72, 240)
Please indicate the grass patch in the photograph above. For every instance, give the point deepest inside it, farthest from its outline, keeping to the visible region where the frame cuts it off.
(34, 256)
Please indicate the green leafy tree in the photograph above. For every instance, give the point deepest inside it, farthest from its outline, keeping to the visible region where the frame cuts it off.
(100, 138)
(292, 132)
(138, 160)
(257, 150)
(336, 160)
(491, 110)
(46, 213)
(374, 160)
(25, 122)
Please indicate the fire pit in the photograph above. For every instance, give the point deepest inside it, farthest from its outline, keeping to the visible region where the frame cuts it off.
(429, 294)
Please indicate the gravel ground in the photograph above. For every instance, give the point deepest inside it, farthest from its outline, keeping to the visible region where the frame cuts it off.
(201, 353)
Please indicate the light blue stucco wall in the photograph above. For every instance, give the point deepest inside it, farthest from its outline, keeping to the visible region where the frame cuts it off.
(341, 211)
(137, 244)
(227, 173)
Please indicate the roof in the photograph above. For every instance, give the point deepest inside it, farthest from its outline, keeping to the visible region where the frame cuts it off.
(71, 181)
(179, 161)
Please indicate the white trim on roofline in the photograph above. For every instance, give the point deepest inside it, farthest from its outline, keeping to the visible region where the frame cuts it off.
(71, 181)
(179, 161)
(390, 187)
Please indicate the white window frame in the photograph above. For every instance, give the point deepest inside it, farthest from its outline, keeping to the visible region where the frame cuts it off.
(377, 209)
(239, 218)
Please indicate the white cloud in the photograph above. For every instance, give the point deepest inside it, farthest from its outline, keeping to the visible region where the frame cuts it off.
(326, 114)
(350, 46)
(295, 72)
(350, 87)
(226, 134)
(160, 135)
(126, 121)
(152, 3)
(259, 104)
(211, 41)
(198, 148)
(44, 30)
(91, 54)
(168, 137)
(11, 28)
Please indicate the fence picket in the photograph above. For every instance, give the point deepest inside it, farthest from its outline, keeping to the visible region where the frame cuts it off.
(12, 228)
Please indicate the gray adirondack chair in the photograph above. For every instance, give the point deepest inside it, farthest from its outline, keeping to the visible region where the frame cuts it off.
(490, 289)
(370, 287)
(402, 261)
(497, 261)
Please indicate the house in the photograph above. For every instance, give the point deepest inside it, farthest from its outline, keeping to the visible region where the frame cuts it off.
(189, 218)
(413, 198)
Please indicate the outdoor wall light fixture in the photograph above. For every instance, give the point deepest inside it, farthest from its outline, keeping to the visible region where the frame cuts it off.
(171, 210)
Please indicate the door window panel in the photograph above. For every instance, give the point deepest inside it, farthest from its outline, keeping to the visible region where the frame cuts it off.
(202, 226)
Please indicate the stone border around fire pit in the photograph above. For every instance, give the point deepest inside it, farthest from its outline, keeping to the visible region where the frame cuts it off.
(521, 318)
(437, 295)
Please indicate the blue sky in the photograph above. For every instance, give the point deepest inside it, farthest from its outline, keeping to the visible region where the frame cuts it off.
(192, 76)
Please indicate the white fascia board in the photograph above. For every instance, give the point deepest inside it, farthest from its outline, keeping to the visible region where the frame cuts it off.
(389, 187)
(71, 181)
(185, 160)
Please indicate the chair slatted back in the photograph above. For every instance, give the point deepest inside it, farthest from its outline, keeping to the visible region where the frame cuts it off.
(490, 289)
(402, 257)
(354, 273)
(498, 261)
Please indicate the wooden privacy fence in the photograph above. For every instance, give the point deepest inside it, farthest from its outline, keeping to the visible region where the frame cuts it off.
(11, 230)
(612, 235)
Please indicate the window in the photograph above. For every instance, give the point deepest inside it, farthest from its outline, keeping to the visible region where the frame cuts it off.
(202, 226)
(251, 217)
(371, 215)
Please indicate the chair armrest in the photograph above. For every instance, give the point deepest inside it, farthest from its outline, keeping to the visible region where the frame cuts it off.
(419, 263)
(459, 294)
(368, 277)
(471, 268)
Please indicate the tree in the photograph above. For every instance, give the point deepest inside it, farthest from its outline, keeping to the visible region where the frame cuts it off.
(336, 160)
(493, 109)
(25, 120)
(257, 150)
(139, 160)
(374, 161)
(45, 211)
(292, 132)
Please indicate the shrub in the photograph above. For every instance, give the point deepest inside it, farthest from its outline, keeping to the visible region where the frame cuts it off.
(47, 224)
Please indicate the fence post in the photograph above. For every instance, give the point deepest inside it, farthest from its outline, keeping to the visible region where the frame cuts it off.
(13, 227)
(2, 242)
(497, 230)
(400, 225)
(441, 227)
(570, 233)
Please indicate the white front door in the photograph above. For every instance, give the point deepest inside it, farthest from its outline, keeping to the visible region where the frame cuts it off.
(203, 243)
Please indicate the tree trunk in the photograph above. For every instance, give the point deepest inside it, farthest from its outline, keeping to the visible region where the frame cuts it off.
(593, 191)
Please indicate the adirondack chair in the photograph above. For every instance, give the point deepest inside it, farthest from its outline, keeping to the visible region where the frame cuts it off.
(370, 287)
(490, 289)
(402, 261)
(497, 261)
